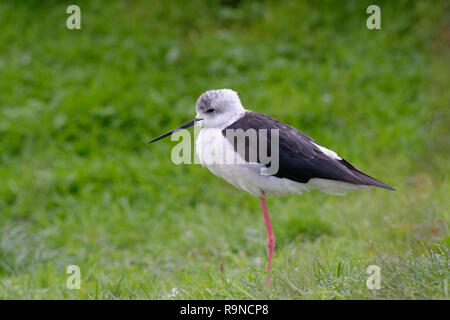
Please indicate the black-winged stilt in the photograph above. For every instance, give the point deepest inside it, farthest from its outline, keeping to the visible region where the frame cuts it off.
(302, 164)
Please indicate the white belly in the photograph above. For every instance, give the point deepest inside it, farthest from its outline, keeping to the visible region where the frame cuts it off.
(217, 154)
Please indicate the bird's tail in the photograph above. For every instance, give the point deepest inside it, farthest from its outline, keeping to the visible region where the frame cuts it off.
(366, 179)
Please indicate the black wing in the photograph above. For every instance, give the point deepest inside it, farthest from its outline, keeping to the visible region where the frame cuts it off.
(300, 159)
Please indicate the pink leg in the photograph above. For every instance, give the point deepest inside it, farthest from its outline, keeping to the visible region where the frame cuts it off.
(270, 236)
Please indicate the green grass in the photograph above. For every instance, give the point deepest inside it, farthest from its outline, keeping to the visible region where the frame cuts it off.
(80, 186)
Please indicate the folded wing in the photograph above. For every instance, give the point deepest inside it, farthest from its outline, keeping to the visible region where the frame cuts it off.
(300, 157)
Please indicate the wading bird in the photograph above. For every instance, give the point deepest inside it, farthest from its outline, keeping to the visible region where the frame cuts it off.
(303, 164)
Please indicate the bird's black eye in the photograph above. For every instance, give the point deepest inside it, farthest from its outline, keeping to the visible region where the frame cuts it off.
(209, 110)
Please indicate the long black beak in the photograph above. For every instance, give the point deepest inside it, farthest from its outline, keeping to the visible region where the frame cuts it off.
(184, 126)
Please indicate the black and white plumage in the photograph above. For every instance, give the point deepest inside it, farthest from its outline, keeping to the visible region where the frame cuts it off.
(303, 164)
(302, 158)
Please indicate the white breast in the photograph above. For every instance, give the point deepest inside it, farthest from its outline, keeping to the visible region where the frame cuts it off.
(217, 154)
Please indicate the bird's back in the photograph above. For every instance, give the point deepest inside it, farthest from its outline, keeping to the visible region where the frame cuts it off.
(300, 157)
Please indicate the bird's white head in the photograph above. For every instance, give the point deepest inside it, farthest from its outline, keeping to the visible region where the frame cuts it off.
(218, 108)
(215, 109)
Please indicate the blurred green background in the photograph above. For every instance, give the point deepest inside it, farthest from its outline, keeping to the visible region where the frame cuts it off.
(79, 185)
